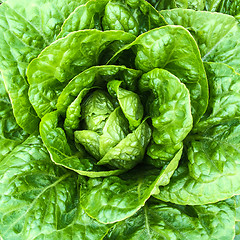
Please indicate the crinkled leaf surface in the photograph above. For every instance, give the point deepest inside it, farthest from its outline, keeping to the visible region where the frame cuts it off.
(10, 133)
(64, 154)
(39, 200)
(23, 35)
(136, 17)
(163, 48)
(159, 220)
(217, 35)
(116, 198)
(224, 101)
(130, 150)
(129, 102)
(97, 76)
(212, 173)
(64, 59)
(170, 110)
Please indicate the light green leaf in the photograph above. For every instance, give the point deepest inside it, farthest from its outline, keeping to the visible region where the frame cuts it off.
(170, 111)
(135, 17)
(65, 58)
(73, 113)
(115, 129)
(11, 134)
(90, 140)
(163, 48)
(224, 95)
(39, 200)
(23, 35)
(159, 220)
(129, 151)
(213, 169)
(64, 153)
(129, 102)
(113, 199)
(96, 109)
(218, 41)
(97, 76)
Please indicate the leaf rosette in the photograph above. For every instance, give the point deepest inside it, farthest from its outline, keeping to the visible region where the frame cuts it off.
(133, 104)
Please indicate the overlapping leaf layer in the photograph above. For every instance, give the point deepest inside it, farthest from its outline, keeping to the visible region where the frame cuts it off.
(119, 119)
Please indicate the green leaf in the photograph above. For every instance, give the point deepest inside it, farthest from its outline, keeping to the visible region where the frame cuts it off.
(237, 231)
(129, 102)
(213, 146)
(63, 152)
(73, 113)
(113, 199)
(229, 7)
(135, 17)
(61, 61)
(23, 35)
(115, 129)
(97, 76)
(90, 140)
(159, 220)
(39, 200)
(162, 48)
(224, 95)
(212, 173)
(170, 111)
(96, 109)
(218, 41)
(237, 206)
(11, 134)
(87, 16)
(129, 151)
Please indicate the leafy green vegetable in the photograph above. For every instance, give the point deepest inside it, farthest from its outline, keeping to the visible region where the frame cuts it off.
(119, 119)
(198, 222)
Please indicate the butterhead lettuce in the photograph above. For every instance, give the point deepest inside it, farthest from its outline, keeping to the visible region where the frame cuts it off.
(119, 119)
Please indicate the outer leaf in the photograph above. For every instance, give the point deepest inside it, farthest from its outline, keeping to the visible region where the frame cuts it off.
(97, 76)
(61, 61)
(114, 199)
(170, 111)
(213, 169)
(39, 200)
(237, 206)
(212, 5)
(23, 35)
(11, 134)
(162, 48)
(87, 16)
(231, 7)
(135, 17)
(213, 152)
(224, 102)
(62, 153)
(237, 231)
(218, 41)
(159, 220)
